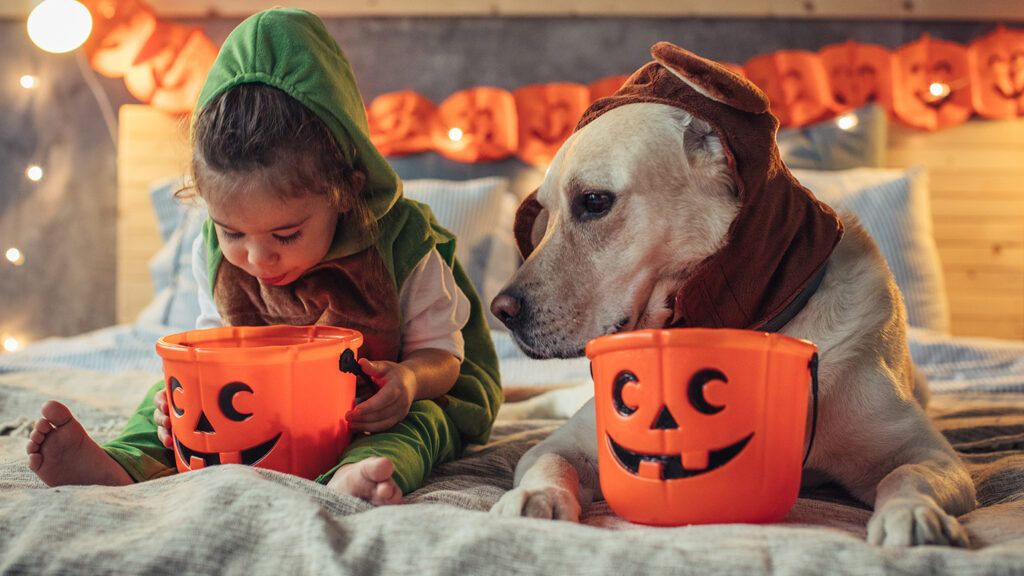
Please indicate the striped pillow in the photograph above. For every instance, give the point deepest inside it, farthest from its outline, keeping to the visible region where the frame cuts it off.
(894, 207)
(480, 213)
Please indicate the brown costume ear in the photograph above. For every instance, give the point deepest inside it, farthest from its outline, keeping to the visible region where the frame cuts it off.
(710, 78)
(531, 221)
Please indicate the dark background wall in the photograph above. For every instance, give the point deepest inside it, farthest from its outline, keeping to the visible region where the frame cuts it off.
(65, 224)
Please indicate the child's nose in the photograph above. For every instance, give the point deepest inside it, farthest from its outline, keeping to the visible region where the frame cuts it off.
(259, 256)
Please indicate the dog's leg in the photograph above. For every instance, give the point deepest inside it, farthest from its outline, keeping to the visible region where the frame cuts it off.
(558, 475)
(556, 404)
(892, 455)
(918, 501)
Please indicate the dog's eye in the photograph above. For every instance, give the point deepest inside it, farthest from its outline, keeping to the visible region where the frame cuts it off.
(592, 205)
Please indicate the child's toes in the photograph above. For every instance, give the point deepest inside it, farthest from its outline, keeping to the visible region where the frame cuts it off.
(387, 493)
(378, 469)
(57, 413)
(35, 460)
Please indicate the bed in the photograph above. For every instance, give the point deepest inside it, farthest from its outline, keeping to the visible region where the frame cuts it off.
(245, 520)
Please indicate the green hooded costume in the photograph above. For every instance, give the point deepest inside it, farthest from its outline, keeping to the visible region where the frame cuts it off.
(292, 51)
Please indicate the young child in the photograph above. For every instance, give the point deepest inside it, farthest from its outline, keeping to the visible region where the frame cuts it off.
(308, 226)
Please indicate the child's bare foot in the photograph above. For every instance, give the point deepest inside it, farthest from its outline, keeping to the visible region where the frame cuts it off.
(61, 452)
(368, 479)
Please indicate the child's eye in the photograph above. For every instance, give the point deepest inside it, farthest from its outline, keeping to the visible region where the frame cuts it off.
(289, 238)
(231, 235)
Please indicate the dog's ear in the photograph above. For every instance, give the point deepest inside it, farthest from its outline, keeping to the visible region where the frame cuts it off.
(531, 222)
(711, 79)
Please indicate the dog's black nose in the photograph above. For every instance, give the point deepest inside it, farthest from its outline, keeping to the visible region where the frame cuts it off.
(507, 307)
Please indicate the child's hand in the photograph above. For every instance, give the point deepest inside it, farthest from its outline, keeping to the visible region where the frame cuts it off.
(391, 403)
(162, 418)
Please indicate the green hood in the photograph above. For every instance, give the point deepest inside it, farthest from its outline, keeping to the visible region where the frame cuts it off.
(291, 50)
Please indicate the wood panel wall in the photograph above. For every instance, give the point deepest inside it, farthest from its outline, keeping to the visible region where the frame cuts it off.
(976, 175)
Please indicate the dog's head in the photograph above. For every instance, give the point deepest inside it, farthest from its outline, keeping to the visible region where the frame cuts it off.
(648, 206)
(629, 204)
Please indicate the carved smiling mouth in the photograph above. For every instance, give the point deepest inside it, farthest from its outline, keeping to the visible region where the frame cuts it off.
(249, 456)
(671, 467)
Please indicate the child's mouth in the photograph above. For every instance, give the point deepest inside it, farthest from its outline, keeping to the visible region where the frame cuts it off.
(274, 281)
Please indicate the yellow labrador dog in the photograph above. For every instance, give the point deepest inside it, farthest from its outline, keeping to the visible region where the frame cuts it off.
(633, 202)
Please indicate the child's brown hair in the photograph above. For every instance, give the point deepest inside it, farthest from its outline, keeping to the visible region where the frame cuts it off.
(255, 133)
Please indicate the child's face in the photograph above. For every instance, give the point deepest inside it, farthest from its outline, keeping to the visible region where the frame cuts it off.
(274, 239)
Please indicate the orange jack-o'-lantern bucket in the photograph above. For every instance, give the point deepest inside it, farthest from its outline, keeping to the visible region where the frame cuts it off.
(699, 425)
(273, 397)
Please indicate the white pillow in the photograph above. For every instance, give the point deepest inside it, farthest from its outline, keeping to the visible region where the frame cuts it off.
(480, 213)
(895, 209)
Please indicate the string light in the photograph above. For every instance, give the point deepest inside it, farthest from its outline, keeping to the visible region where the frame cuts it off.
(11, 343)
(455, 134)
(59, 25)
(15, 256)
(29, 81)
(34, 173)
(847, 121)
(938, 90)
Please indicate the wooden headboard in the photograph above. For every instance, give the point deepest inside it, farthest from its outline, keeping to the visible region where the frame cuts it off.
(976, 174)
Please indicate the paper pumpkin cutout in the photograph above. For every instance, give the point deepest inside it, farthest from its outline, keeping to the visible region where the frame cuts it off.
(997, 73)
(120, 30)
(796, 85)
(606, 86)
(700, 425)
(400, 123)
(547, 113)
(858, 74)
(476, 125)
(170, 69)
(931, 87)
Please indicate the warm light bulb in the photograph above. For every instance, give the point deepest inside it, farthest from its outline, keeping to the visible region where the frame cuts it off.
(11, 343)
(938, 89)
(34, 173)
(455, 134)
(14, 256)
(29, 81)
(59, 25)
(847, 121)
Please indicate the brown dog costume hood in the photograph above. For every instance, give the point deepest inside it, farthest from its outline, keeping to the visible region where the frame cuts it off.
(782, 237)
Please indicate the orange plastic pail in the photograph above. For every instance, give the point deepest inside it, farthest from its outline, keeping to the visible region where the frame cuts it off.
(271, 397)
(698, 426)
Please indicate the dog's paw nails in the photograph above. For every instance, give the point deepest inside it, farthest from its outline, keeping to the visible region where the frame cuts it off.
(915, 522)
(548, 503)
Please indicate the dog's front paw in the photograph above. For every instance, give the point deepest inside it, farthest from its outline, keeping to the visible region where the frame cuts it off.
(915, 521)
(551, 502)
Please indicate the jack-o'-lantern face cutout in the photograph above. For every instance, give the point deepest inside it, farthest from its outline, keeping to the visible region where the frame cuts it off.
(234, 428)
(547, 115)
(795, 83)
(858, 74)
(400, 123)
(687, 463)
(476, 125)
(997, 73)
(932, 84)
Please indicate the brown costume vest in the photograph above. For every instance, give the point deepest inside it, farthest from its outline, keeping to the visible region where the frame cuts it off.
(355, 291)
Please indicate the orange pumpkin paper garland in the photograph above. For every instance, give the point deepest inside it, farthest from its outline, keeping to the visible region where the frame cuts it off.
(476, 125)
(120, 29)
(858, 73)
(400, 123)
(170, 69)
(606, 86)
(796, 85)
(547, 113)
(997, 73)
(931, 87)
